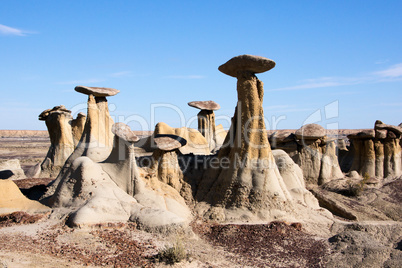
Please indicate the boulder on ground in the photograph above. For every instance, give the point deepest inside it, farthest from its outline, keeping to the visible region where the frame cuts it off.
(11, 169)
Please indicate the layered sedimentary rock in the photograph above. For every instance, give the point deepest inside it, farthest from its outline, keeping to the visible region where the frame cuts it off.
(97, 138)
(165, 162)
(58, 122)
(96, 141)
(313, 151)
(245, 183)
(77, 127)
(206, 121)
(196, 143)
(377, 153)
(121, 165)
(101, 183)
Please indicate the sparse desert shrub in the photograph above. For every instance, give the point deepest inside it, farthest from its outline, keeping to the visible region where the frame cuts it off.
(173, 254)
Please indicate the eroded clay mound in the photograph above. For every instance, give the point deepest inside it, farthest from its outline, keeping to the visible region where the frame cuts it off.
(12, 200)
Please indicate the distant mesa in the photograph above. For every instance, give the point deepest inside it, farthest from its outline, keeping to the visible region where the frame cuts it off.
(97, 91)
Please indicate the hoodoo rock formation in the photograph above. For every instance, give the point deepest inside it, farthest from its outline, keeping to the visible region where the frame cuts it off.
(77, 127)
(58, 123)
(96, 141)
(121, 165)
(196, 143)
(247, 183)
(316, 155)
(206, 121)
(97, 138)
(377, 153)
(313, 151)
(102, 183)
(166, 164)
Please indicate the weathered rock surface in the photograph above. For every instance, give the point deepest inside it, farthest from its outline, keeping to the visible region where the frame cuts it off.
(246, 63)
(310, 131)
(346, 207)
(360, 199)
(366, 244)
(58, 123)
(196, 142)
(205, 105)
(113, 190)
(96, 141)
(77, 127)
(206, 121)
(97, 91)
(377, 153)
(293, 178)
(12, 200)
(121, 165)
(11, 169)
(245, 183)
(165, 161)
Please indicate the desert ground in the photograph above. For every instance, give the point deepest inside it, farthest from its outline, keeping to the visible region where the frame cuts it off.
(44, 240)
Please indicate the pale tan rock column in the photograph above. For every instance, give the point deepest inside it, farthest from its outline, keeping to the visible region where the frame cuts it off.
(310, 138)
(77, 127)
(97, 138)
(121, 165)
(364, 156)
(247, 177)
(392, 148)
(165, 161)
(58, 123)
(206, 120)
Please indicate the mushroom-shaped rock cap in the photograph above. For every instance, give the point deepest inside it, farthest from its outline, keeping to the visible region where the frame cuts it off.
(381, 126)
(61, 109)
(97, 91)
(310, 131)
(124, 132)
(254, 64)
(79, 115)
(365, 134)
(168, 142)
(205, 105)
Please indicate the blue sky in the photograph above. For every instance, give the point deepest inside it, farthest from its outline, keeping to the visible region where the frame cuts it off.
(338, 63)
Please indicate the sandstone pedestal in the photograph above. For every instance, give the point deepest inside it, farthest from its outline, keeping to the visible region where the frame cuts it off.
(58, 123)
(247, 179)
(206, 121)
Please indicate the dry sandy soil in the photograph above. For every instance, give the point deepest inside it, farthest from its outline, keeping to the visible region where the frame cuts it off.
(45, 240)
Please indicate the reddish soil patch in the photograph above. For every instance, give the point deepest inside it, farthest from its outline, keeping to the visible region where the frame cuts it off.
(276, 244)
(19, 217)
(115, 248)
(31, 182)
